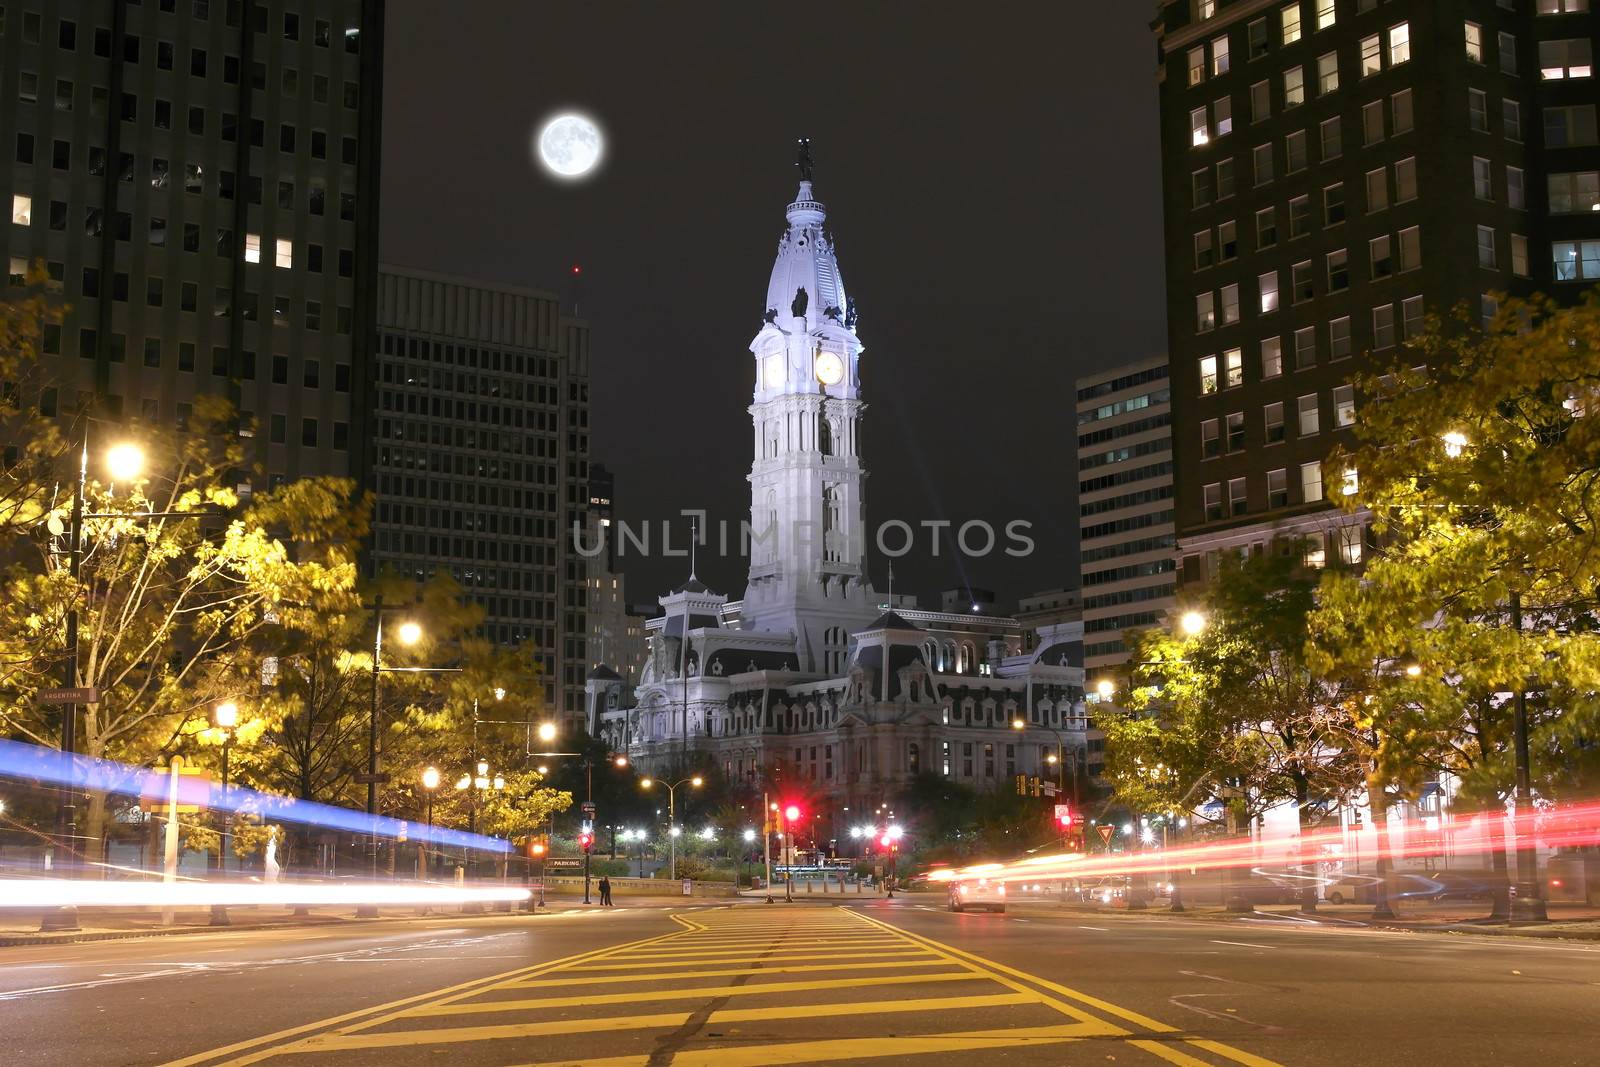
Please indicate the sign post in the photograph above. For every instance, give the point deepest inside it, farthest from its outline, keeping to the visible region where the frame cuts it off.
(1106, 830)
(169, 864)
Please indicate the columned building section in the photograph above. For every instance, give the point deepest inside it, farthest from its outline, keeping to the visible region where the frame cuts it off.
(481, 459)
(1127, 545)
(1335, 172)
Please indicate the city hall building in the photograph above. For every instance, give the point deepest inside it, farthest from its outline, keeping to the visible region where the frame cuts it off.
(814, 679)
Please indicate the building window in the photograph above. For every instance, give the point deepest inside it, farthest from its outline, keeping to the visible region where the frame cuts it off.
(1478, 110)
(21, 210)
(1344, 406)
(1410, 248)
(1238, 496)
(1519, 255)
(1210, 439)
(1405, 179)
(1575, 259)
(1236, 431)
(1224, 178)
(1333, 205)
(1326, 14)
(1486, 247)
(1339, 338)
(1311, 482)
(1327, 73)
(252, 248)
(1332, 139)
(1315, 552)
(1294, 87)
(1565, 127)
(1371, 55)
(1202, 250)
(1377, 189)
(1266, 227)
(1516, 193)
(1350, 545)
(1302, 288)
(1222, 116)
(1278, 488)
(1198, 130)
(1197, 65)
(1482, 186)
(1399, 43)
(1205, 311)
(1305, 347)
(1213, 501)
(1506, 52)
(1233, 368)
(1474, 40)
(1562, 7)
(1200, 185)
(1310, 417)
(1577, 191)
(1572, 58)
(1256, 32)
(1261, 158)
(1228, 246)
(1294, 150)
(1260, 102)
(1289, 15)
(1372, 123)
(1219, 55)
(1511, 119)
(285, 252)
(1383, 326)
(1230, 304)
(1273, 414)
(1267, 284)
(1271, 357)
(1299, 216)
(1380, 256)
(1412, 320)
(1208, 374)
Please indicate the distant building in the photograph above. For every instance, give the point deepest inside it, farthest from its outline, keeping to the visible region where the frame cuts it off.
(1334, 171)
(1126, 544)
(814, 678)
(481, 459)
(616, 634)
(201, 184)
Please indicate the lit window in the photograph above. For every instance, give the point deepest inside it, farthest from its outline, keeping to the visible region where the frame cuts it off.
(1219, 56)
(1311, 482)
(1575, 259)
(1208, 374)
(1271, 357)
(1233, 366)
(1315, 555)
(1562, 7)
(1290, 15)
(1377, 189)
(1327, 73)
(1205, 312)
(1344, 405)
(1294, 87)
(1519, 255)
(1350, 545)
(1572, 58)
(1197, 65)
(1371, 55)
(1474, 35)
(1350, 484)
(1268, 286)
(1230, 304)
(252, 248)
(1199, 132)
(285, 252)
(1222, 116)
(22, 210)
(1326, 15)
(1399, 43)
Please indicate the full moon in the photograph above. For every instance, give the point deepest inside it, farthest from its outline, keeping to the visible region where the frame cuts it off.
(570, 146)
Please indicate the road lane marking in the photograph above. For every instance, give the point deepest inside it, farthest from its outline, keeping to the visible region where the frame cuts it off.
(1098, 929)
(852, 1048)
(1241, 944)
(611, 979)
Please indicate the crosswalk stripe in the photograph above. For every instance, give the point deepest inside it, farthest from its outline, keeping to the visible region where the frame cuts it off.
(725, 972)
(903, 953)
(690, 993)
(501, 1031)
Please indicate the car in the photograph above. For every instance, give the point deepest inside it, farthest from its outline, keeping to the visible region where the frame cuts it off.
(988, 893)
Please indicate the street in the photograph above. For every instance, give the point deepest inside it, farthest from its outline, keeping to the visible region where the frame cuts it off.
(805, 983)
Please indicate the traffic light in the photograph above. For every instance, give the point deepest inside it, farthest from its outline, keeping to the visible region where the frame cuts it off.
(792, 813)
(1063, 818)
(1022, 785)
(586, 841)
(1037, 786)
(538, 847)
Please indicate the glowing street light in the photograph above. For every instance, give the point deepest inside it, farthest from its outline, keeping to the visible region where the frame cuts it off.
(125, 461)
(547, 731)
(1455, 442)
(430, 781)
(1193, 623)
(1105, 688)
(749, 835)
(409, 633)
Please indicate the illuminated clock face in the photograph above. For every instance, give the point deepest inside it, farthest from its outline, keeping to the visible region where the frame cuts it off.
(830, 369)
(772, 371)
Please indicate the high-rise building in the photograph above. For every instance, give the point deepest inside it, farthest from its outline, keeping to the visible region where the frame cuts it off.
(1126, 543)
(200, 180)
(616, 632)
(481, 458)
(1336, 171)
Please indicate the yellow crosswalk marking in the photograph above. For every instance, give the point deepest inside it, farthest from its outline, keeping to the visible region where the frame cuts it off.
(690, 993)
(724, 972)
(911, 952)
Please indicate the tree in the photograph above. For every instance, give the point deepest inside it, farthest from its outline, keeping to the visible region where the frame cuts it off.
(36, 452)
(180, 579)
(1477, 461)
(1236, 710)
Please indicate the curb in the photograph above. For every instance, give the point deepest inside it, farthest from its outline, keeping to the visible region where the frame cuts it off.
(68, 938)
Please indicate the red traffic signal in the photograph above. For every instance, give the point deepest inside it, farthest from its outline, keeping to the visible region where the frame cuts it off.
(586, 841)
(885, 840)
(792, 812)
(1063, 817)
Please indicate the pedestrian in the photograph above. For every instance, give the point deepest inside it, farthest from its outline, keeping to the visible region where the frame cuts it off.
(605, 892)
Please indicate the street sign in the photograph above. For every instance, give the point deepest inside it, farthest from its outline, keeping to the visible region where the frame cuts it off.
(1106, 830)
(381, 778)
(588, 807)
(563, 864)
(1063, 813)
(77, 694)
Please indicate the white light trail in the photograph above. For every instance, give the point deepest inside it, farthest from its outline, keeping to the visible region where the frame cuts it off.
(60, 893)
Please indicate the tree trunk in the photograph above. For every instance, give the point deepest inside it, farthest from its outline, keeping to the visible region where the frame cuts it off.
(1302, 799)
(1379, 803)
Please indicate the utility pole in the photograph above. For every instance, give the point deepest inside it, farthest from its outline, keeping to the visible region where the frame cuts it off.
(1527, 902)
(66, 918)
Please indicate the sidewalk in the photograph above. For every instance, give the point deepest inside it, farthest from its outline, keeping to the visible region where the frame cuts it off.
(1575, 921)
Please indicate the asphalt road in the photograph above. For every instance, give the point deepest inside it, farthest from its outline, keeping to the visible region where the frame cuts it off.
(760, 984)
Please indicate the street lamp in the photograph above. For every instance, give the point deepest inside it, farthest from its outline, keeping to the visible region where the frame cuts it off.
(125, 460)
(1192, 622)
(672, 810)
(224, 717)
(547, 732)
(1105, 688)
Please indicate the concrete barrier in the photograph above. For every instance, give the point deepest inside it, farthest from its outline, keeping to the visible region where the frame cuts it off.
(664, 887)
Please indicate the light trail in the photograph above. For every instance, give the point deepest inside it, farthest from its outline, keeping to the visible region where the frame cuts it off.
(100, 775)
(38, 893)
(1571, 826)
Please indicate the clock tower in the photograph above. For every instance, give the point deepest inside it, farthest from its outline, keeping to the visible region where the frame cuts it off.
(808, 533)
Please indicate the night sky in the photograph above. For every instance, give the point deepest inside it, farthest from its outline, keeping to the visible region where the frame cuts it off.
(992, 182)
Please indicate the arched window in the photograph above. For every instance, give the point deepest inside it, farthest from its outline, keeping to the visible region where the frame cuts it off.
(825, 437)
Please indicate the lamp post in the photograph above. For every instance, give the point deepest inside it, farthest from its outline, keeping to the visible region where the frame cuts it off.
(430, 783)
(125, 461)
(672, 811)
(224, 717)
(410, 633)
(749, 839)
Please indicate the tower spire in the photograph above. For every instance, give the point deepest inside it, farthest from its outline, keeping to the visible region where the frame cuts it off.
(804, 160)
